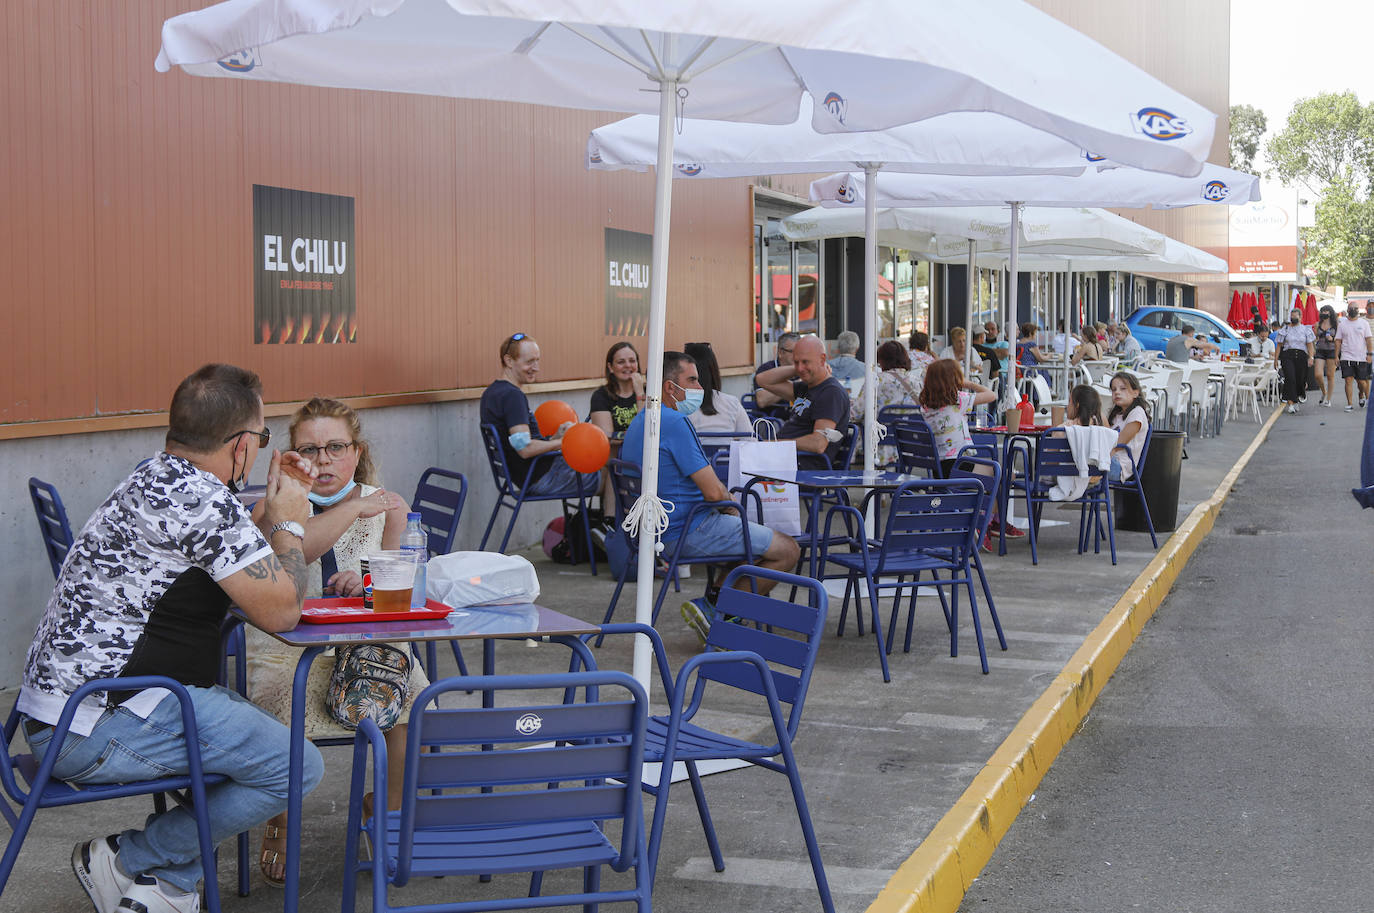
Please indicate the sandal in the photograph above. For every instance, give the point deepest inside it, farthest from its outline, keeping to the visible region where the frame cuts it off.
(269, 858)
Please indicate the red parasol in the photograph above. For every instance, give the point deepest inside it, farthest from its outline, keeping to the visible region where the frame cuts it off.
(1309, 311)
(1263, 312)
(1235, 314)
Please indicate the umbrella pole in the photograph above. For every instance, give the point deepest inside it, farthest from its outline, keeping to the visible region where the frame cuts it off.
(649, 511)
(968, 338)
(871, 315)
(1012, 287)
(1069, 312)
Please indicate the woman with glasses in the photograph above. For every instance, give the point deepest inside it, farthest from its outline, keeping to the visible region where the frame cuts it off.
(351, 517)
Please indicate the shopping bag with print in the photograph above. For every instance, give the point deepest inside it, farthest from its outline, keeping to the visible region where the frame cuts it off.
(781, 502)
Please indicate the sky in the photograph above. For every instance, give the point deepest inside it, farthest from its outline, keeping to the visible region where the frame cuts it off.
(1282, 51)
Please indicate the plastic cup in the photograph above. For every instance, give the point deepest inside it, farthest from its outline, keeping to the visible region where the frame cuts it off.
(393, 578)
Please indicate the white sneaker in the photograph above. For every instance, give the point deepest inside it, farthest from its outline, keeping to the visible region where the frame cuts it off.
(149, 895)
(1326, 403)
(94, 865)
(1349, 408)
(1293, 410)
(1363, 400)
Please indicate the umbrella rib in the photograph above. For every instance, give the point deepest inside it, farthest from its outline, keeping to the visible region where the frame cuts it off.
(527, 45)
(744, 53)
(628, 56)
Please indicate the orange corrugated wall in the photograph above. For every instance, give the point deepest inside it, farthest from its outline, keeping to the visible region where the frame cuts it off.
(126, 220)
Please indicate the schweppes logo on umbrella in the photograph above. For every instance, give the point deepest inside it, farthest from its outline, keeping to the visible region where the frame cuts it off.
(1159, 124)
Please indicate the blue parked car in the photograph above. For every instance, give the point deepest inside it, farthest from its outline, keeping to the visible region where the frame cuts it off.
(1155, 326)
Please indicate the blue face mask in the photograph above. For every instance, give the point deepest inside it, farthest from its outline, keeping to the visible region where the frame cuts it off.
(691, 399)
(335, 498)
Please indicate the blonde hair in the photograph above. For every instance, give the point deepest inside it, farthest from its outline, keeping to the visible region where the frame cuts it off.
(320, 407)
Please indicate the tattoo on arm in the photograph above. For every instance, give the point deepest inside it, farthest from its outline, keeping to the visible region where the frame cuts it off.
(293, 562)
(262, 570)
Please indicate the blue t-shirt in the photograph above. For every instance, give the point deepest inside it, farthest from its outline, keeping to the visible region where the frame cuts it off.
(679, 455)
(505, 406)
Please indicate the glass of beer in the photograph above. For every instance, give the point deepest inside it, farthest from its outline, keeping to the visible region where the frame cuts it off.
(393, 576)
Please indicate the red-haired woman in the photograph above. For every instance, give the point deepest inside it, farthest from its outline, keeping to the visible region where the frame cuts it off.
(946, 400)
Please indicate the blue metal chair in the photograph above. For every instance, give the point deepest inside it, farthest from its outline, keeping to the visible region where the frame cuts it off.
(751, 407)
(888, 417)
(45, 792)
(452, 822)
(931, 527)
(768, 649)
(52, 522)
(916, 450)
(625, 484)
(439, 498)
(1053, 459)
(1133, 483)
(512, 495)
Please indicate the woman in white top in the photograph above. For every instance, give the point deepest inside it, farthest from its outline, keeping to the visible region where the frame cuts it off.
(719, 410)
(1131, 419)
(352, 518)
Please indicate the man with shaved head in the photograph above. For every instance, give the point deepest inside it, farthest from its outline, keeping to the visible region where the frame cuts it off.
(819, 410)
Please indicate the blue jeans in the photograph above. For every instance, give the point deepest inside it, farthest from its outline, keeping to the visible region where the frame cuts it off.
(1114, 473)
(719, 533)
(562, 477)
(237, 739)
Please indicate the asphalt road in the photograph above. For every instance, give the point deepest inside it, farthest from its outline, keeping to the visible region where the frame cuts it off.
(1226, 765)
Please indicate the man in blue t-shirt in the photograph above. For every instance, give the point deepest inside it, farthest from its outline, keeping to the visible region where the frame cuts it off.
(820, 404)
(686, 479)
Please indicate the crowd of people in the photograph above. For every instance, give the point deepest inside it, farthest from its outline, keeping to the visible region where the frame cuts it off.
(151, 575)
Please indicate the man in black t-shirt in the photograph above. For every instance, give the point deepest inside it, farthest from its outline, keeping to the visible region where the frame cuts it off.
(819, 411)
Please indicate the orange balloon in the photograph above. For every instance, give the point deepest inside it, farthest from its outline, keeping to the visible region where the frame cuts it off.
(551, 414)
(585, 447)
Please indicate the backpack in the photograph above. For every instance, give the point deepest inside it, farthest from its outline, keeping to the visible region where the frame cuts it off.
(567, 547)
(369, 680)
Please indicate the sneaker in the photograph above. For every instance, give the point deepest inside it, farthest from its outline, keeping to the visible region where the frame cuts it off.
(149, 895)
(94, 865)
(1349, 408)
(1293, 410)
(987, 542)
(1326, 403)
(1014, 532)
(697, 613)
(1363, 400)
(1302, 397)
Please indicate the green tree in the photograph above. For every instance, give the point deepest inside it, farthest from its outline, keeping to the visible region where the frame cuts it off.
(1247, 128)
(1327, 139)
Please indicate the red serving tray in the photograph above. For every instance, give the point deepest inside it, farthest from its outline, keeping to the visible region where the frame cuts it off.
(336, 610)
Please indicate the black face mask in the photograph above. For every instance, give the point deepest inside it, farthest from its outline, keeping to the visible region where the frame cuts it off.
(236, 481)
(1353, 313)
(1293, 320)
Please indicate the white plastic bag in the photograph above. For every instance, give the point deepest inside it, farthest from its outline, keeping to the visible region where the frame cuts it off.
(481, 578)
(781, 503)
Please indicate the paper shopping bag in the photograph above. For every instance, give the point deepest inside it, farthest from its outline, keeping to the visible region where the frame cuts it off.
(781, 502)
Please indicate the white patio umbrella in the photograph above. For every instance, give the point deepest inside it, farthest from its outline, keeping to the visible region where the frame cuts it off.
(1104, 186)
(743, 60)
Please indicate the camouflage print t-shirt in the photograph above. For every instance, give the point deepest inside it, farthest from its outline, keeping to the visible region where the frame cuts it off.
(139, 594)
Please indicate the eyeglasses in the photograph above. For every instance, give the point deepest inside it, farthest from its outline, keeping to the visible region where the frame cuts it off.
(264, 436)
(335, 449)
(787, 351)
(517, 337)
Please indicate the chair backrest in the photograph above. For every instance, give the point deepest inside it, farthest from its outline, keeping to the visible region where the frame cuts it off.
(916, 450)
(720, 462)
(592, 751)
(751, 407)
(1054, 457)
(786, 634)
(967, 467)
(853, 434)
(933, 514)
(439, 498)
(496, 458)
(52, 522)
(625, 486)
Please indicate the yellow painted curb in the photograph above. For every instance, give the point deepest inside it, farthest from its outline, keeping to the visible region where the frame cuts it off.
(936, 876)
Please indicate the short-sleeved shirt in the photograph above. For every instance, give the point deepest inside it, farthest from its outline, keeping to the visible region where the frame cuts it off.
(679, 455)
(1325, 341)
(1353, 335)
(1294, 337)
(139, 593)
(949, 426)
(827, 400)
(1130, 347)
(1025, 354)
(846, 367)
(1180, 348)
(623, 409)
(729, 415)
(505, 406)
(1137, 443)
(779, 410)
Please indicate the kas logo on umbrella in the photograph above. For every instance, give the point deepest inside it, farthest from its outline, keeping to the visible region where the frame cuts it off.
(241, 61)
(1215, 191)
(836, 105)
(689, 170)
(1159, 124)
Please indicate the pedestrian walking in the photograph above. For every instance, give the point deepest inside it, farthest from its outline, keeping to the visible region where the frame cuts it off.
(1295, 350)
(1325, 354)
(1355, 351)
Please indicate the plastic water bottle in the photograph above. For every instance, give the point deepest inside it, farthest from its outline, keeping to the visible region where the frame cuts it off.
(415, 540)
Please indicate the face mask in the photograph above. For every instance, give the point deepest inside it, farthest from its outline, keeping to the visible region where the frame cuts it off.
(1353, 313)
(236, 480)
(1294, 319)
(335, 498)
(691, 400)
(519, 440)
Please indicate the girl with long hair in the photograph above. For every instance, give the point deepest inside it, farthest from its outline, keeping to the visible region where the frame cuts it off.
(720, 411)
(1324, 363)
(946, 400)
(1130, 416)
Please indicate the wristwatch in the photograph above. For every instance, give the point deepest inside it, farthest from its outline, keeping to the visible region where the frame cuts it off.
(291, 526)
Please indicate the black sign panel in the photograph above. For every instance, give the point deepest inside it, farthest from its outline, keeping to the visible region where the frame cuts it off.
(304, 265)
(628, 255)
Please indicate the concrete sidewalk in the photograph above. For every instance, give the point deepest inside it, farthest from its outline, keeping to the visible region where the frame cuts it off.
(882, 763)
